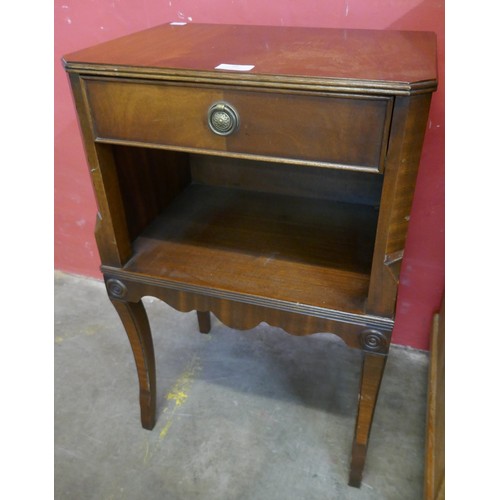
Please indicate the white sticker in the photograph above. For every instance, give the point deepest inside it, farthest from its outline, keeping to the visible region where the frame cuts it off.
(177, 23)
(235, 67)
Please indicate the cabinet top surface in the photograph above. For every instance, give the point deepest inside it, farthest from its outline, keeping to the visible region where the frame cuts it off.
(399, 60)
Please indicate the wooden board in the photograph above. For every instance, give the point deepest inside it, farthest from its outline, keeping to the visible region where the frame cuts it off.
(435, 444)
(394, 59)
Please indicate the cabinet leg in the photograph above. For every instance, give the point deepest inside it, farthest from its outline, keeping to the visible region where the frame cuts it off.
(136, 324)
(204, 321)
(371, 377)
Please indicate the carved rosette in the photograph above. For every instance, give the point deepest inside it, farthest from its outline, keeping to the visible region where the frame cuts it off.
(116, 289)
(374, 341)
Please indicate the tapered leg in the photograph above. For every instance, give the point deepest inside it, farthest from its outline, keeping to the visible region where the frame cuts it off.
(371, 377)
(204, 321)
(136, 324)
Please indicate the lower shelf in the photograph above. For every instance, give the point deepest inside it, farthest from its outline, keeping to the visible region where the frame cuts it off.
(287, 248)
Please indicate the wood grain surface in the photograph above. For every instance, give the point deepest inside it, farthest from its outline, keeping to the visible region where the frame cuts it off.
(283, 247)
(392, 58)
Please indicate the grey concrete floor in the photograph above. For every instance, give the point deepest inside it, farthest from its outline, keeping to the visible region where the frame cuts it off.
(241, 415)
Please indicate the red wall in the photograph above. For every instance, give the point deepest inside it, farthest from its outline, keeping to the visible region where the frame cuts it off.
(81, 23)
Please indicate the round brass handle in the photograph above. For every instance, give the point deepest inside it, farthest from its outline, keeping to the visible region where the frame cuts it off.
(223, 119)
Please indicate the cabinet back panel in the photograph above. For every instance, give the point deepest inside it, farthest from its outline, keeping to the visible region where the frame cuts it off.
(315, 182)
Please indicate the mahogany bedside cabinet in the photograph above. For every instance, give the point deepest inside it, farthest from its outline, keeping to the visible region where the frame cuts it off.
(261, 174)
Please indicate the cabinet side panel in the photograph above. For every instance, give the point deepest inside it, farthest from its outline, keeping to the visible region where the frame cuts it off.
(405, 146)
(111, 228)
(149, 179)
(435, 432)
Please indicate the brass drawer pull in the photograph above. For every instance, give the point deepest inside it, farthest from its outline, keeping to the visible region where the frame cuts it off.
(223, 119)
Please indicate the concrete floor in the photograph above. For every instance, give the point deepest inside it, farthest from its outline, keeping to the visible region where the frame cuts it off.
(258, 415)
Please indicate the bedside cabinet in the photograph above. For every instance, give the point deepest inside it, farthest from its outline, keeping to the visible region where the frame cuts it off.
(261, 174)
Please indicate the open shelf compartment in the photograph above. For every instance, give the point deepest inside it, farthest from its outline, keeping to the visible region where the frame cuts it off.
(251, 237)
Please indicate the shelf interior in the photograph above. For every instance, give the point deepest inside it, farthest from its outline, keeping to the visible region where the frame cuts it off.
(249, 228)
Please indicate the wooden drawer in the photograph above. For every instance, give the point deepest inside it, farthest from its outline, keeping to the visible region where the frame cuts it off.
(318, 129)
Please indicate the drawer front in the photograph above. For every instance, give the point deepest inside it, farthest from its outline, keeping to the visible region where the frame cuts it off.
(311, 129)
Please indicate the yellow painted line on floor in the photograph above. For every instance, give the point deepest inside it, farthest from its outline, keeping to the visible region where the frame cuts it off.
(166, 427)
(147, 454)
(179, 393)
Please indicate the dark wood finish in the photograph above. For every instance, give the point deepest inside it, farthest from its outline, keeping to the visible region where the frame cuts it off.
(371, 377)
(111, 230)
(282, 178)
(244, 312)
(317, 252)
(435, 432)
(317, 129)
(136, 324)
(298, 218)
(408, 129)
(149, 180)
(365, 60)
(204, 321)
